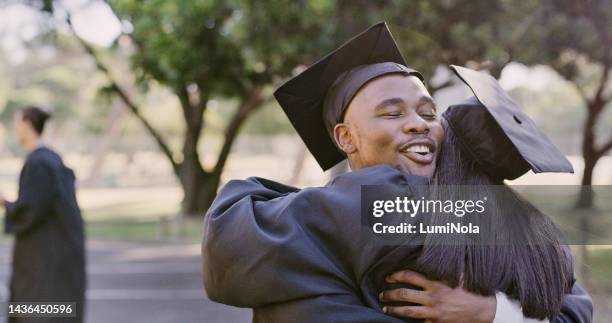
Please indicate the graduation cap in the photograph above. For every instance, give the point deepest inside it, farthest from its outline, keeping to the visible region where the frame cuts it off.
(324, 90)
(493, 128)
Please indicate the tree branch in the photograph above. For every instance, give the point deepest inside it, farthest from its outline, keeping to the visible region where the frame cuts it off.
(602, 83)
(607, 146)
(248, 105)
(125, 97)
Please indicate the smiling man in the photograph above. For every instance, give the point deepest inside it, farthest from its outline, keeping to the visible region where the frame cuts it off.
(299, 255)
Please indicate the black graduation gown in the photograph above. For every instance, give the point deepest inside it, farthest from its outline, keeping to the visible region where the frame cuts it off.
(300, 256)
(49, 250)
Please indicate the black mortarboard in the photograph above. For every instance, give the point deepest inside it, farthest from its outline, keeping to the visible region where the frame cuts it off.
(498, 134)
(332, 82)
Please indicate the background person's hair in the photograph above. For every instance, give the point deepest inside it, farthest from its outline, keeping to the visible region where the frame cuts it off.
(36, 116)
(518, 250)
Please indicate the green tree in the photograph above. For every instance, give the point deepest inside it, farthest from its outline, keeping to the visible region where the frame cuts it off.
(204, 49)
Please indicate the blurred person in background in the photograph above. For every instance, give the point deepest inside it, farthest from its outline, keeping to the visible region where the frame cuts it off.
(49, 250)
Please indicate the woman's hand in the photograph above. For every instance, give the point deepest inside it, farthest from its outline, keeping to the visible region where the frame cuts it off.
(439, 303)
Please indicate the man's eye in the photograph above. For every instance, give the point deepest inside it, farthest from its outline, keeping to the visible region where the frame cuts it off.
(428, 116)
(393, 114)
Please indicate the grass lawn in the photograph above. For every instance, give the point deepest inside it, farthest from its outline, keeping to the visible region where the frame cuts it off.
(143, 214)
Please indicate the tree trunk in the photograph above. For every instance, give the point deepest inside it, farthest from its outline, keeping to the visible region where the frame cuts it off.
(199, 188)
(191, 173)
(585, 196)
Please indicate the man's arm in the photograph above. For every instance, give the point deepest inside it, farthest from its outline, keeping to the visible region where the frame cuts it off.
(258, 247)
(577, 306)
(436, 302)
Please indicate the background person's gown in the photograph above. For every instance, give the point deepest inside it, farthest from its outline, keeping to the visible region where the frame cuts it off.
(49, 251)
(299, 255)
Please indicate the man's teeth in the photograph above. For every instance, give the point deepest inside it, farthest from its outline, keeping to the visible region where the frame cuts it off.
(421, 149)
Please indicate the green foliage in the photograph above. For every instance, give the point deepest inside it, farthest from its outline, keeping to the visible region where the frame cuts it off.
(434, 32)
(181, 42)
(280, 35)
(223, 47)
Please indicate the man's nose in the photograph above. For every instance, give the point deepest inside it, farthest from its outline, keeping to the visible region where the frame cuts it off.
(415, 125)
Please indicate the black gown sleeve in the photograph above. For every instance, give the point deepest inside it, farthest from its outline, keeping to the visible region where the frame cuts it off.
(256, 250)
(35, 199)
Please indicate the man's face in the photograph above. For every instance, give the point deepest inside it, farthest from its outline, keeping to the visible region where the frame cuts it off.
(392, 120)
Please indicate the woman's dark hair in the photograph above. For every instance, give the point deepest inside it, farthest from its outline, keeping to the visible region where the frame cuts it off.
(36, 116)
(518, 250)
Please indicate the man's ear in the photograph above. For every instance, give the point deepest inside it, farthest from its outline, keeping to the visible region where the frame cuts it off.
(344, 138)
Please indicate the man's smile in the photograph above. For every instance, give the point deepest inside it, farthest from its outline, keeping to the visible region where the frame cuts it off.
(420, 150)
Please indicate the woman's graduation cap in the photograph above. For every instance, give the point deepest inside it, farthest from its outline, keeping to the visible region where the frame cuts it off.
(304, 96)
(500, 136)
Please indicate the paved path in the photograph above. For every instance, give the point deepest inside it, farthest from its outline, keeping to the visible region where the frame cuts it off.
(143, 282)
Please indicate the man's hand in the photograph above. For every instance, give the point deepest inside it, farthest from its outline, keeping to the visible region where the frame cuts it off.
(2, 199)
(438, 302)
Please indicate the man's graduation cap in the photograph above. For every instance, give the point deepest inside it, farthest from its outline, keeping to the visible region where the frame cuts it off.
(498, 134)
(341, 74)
